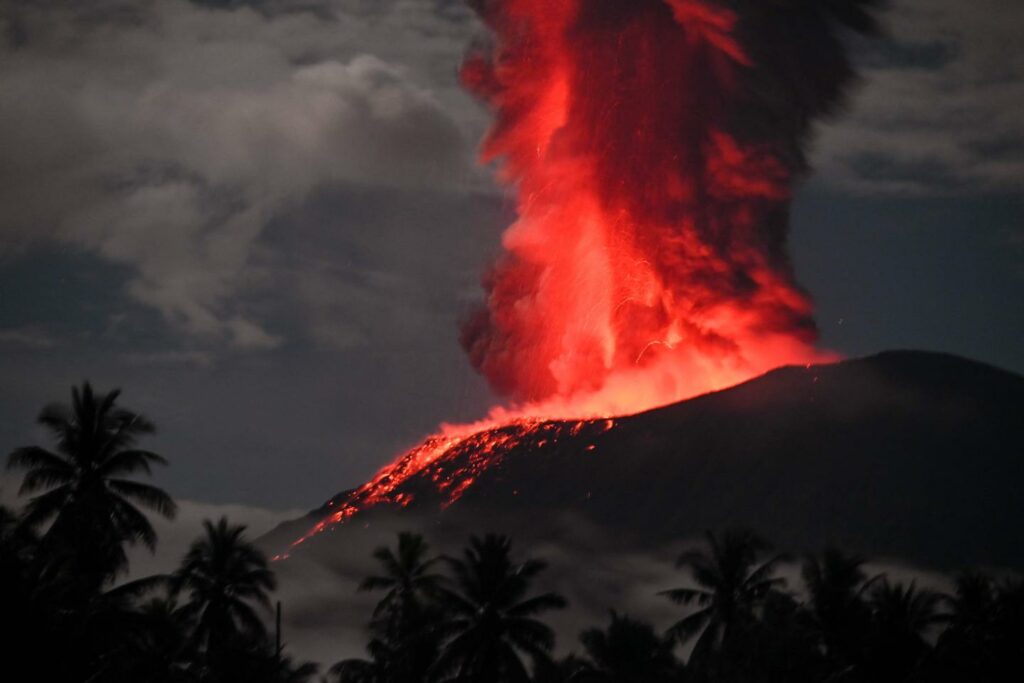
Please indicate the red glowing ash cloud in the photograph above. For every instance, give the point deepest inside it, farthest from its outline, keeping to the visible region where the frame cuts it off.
(653, 146)
(649, 261)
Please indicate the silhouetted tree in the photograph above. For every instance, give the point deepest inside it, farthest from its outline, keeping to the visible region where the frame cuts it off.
(627, 651)
(567, 669)
(901, 616)
(490, 624)
(256, 661)
(31, 607)
(372, 670)
(732, 583)
(1008, 625)
(836, 584)
(65, 622)
(407, 578)
(782, 646)
(983, 637)
(226, 580)
(86, 487)
(404, 645)
(18, 553)
(155, 648)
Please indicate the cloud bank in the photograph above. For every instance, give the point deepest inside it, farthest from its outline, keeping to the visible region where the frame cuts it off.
(938, 110)
(165, 136)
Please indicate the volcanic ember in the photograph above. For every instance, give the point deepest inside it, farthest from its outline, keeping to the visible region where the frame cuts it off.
(653, 146)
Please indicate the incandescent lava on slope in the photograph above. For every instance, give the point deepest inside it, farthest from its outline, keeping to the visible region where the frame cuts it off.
(448, 463)
(653, 146)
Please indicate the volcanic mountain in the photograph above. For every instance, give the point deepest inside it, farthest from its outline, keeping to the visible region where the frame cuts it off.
(906, 454)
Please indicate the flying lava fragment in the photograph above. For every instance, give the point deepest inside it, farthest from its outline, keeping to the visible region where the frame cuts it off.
(653, 147)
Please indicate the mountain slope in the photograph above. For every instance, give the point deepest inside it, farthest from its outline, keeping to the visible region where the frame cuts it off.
(905, 454)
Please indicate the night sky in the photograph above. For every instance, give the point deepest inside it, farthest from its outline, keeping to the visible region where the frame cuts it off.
(264, 221)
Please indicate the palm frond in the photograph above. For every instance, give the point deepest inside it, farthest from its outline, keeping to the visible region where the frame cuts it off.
(46, 505)
(538, 604)
(373, 583)
(139, 587)
(29, 457)
(150, 496)
(689, 626)
(765, 570)
(129, 462)
(684, 596)
(44, 478)
(247, 619)
(57, 418)
(133, 525)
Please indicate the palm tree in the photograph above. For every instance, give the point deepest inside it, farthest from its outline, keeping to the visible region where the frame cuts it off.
(967, 648)
(836, 584)
(403, 645)
(373, 670)
(1008, 624)
(30, 607)
(86, 487)
(901, 617)
(154, 648)
(732, 583)
(628, 651)
(972, 605)
(491, 623)
(261, 664)
(407, 578)
(226, 579)
(19, 544)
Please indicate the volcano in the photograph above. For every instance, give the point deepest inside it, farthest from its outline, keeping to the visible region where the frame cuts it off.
(906, 454)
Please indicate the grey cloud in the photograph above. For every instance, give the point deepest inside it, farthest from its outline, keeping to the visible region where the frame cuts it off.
(341, 306)
(27, 338)
(937, 112)
(168, 143)
(383, 269)
(172, 357)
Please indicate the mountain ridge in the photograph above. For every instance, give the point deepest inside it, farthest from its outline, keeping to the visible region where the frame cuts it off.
(909, 454)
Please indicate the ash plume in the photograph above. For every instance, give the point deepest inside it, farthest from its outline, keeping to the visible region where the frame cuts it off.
(654, 146)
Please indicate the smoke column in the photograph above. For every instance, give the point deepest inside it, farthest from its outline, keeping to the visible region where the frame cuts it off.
(653, 146)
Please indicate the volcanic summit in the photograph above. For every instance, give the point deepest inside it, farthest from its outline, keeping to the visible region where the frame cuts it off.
(910, 455)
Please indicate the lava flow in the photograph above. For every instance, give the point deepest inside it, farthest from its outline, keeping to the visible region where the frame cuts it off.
(653, 146)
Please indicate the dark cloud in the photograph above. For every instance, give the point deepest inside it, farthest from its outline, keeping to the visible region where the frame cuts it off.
(26, 337)
(940, 92)
(169, 142)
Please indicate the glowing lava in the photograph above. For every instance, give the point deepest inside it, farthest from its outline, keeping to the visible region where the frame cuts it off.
(653, 146)
(451, 461)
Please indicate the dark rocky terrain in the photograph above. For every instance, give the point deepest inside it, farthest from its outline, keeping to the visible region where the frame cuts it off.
(907, 455)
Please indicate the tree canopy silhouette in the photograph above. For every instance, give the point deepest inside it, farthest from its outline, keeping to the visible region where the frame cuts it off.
(732, 582)
(226, 579)
(626, 651)
(490, 623)
(86, 486)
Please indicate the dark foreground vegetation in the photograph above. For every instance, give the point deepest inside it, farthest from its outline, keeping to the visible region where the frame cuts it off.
(477, 617)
